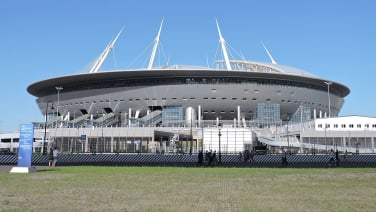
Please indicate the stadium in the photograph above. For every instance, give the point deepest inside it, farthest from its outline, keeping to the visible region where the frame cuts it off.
(185, 108)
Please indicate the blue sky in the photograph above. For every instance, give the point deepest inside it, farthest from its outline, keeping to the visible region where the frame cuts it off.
(41, 39)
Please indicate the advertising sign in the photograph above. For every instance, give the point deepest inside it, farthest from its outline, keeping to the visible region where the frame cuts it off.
(25, 149)
(83, 138)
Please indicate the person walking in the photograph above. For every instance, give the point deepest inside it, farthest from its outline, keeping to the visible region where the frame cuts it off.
(337, 158)
(251, 155)
(284, 158)
(331, 160)
(55, 153)
(50, 157)
(200, 161)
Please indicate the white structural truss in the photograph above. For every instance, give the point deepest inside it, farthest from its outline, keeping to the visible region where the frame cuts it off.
(155, 47)
(224, 50)
(102, 57)
(270, 55)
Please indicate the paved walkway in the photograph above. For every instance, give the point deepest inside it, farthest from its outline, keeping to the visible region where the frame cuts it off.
(6, 168)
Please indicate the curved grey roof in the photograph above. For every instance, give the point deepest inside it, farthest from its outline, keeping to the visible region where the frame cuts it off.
(269, 67)
(48, 86)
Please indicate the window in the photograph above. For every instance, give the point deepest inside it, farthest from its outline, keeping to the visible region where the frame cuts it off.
(172, 114)
(335, 125)
(359, 126)
(343, 125)
(351, 125)
(319, 125)
(366, 125)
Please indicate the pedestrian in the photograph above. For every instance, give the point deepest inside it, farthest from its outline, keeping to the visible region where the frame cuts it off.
(284, 158)
(200, 158)
(240, 156)
(214, 156)
(331, 160)
(337, 158)
(345, 156)
(55, 153)
(251, 155)
(50, 158)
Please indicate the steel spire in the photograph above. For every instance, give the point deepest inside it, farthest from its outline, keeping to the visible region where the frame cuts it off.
(102, 57)
(224, 50)
(156, 43)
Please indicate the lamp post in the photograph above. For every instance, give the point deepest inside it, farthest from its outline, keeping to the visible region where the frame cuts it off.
(219, 149)
(59, 88)
(44, 150)
(191, 136)
(328, 84)
(287, 133)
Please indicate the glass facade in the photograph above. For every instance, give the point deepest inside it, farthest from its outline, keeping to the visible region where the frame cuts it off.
(302, 114)
(172, 115)
(268, 114)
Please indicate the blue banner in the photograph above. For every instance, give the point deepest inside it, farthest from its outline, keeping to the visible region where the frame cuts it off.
(25, 149)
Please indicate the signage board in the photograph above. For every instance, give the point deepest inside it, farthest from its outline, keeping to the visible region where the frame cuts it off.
(25, 149)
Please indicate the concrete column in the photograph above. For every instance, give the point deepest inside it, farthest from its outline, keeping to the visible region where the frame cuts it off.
(86, 144)
(314, 114)
(238, 115)
(199, 115)
(130, 113)
(112, 143)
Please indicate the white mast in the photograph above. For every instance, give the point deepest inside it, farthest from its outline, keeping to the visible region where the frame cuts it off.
(156, 42)
(224, 50)
(102, 57)
(270, 56)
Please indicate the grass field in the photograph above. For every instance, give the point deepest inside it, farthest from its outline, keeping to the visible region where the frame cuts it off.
(188, 189)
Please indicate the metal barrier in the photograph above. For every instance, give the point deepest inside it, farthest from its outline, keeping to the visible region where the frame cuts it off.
(191, 160)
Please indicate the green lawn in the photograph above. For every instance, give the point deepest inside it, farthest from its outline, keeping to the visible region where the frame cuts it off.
(90, 188)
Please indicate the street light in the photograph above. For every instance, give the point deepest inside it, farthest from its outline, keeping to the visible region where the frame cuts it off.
(44, 150)
(59, 88)
(219, 149)
(287, 134)
(328, 84)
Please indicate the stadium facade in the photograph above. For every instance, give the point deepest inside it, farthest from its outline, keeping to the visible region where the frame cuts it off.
(185, 108)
